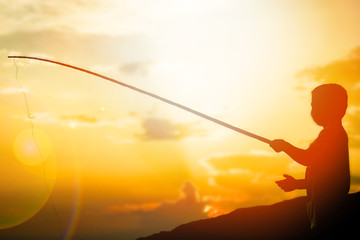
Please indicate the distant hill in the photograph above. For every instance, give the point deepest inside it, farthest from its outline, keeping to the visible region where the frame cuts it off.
(285, 220)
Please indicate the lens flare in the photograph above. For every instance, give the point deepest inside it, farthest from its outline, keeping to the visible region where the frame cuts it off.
(29, 181)
(31, 147)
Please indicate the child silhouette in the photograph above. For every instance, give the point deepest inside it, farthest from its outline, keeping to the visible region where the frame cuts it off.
(327, 178)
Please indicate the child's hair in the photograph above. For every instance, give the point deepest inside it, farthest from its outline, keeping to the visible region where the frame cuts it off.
(333, 99)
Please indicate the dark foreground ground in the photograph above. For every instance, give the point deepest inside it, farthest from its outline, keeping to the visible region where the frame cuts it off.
(285, 220)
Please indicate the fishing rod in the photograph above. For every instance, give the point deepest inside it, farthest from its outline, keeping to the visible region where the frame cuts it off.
(224, 124)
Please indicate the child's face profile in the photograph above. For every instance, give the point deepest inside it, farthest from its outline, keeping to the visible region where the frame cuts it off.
(317, 113)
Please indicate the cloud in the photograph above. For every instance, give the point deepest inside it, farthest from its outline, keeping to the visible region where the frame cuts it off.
(36, 14)
(80, 118)
(165, 129)
(345, 71)
(12, 90)
(245, 163)
(135, 68)
(355, 179)
(153, 129)
(134, 220)
(186, 208)
(187, 200)
(129, 52)
(83, 120)
(352, 123)
(244, 179)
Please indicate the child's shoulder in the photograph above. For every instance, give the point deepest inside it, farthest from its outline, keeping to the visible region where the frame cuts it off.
(333, 133)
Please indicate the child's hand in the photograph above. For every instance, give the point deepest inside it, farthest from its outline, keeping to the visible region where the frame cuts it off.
(278, 145)
(288, 184)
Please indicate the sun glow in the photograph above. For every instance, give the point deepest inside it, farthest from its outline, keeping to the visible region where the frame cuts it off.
(208, 57)
(31, 147)
(191, 84)
(213, 212)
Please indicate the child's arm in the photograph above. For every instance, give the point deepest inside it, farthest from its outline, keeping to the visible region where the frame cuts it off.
(299, 155)
(290, 183)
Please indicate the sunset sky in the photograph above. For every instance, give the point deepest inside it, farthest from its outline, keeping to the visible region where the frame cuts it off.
(121, 165)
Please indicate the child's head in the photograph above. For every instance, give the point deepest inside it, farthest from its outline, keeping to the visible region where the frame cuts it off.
(329, 103)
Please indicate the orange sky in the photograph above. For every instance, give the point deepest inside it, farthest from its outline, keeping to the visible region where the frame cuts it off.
(115, 155)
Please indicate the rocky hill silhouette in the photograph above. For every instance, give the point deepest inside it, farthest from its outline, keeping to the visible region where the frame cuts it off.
(285, 220)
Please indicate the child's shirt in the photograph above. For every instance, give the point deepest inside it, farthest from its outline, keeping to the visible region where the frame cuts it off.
(328, 172)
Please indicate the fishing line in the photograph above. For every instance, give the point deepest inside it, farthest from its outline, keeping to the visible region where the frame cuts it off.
(29, 115)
